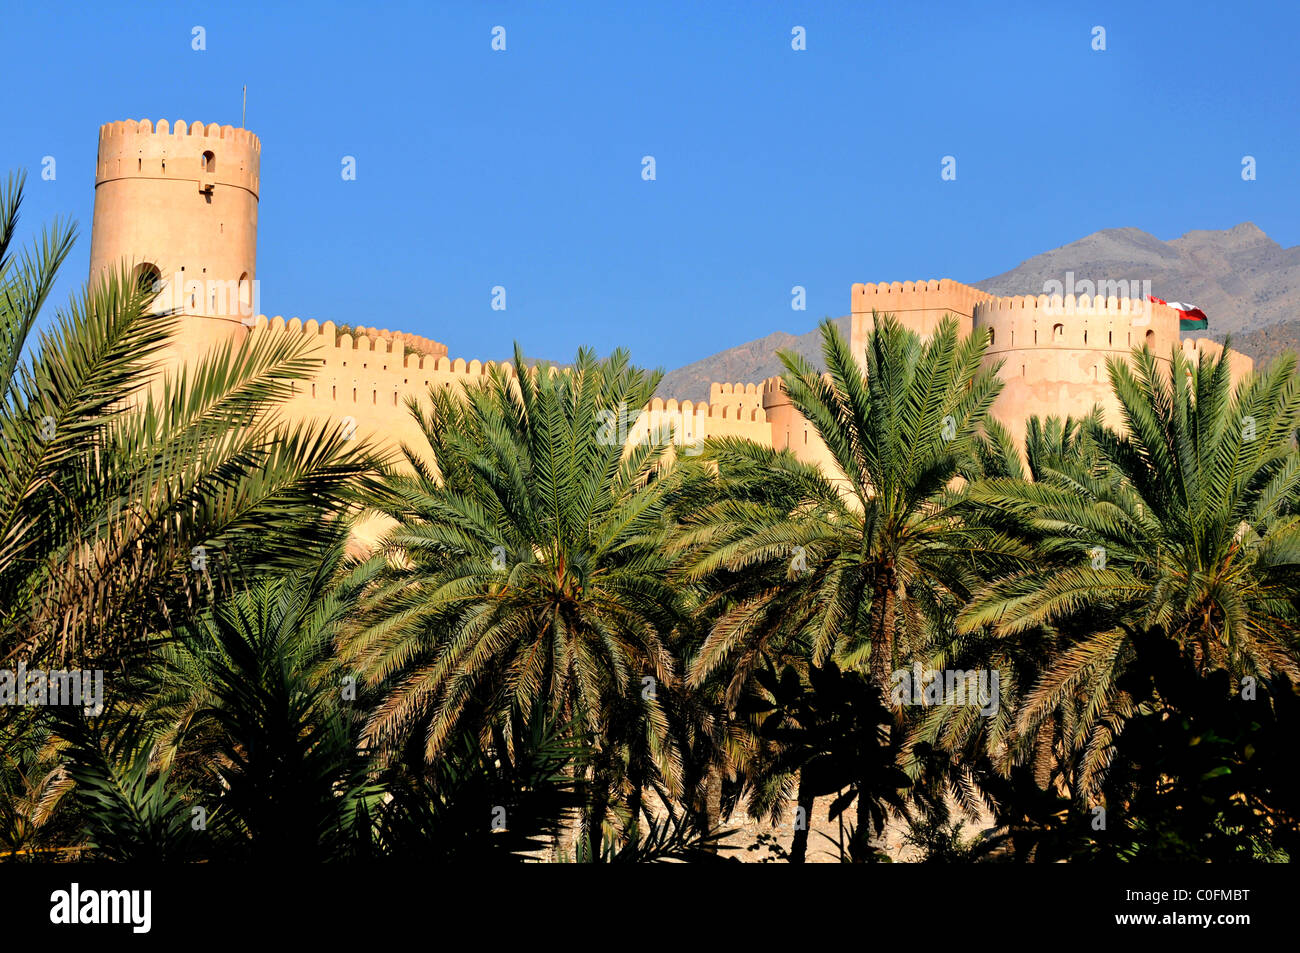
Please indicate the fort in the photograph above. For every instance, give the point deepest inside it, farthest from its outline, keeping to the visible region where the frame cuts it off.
(178, 203)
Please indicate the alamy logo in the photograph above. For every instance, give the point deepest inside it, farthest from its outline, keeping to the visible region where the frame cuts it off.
(976, 688)
(617, 427)
(1134, 295)
(43, 688)
(236, 298)
(77, 906)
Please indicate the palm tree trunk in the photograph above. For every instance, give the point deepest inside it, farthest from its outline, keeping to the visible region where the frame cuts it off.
(882, 627)
(805, 800)
(862, 832)
(636, 776)
(713, 801)
(597, 805)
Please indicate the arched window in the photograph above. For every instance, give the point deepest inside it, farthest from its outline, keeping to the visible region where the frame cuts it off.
(1058, 332)
(245, 295)
(149, 279)
(208, 162)
(992, 337)
(1151, 339)
(147, 276)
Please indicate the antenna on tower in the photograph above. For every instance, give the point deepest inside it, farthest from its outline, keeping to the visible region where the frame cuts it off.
(243, 114)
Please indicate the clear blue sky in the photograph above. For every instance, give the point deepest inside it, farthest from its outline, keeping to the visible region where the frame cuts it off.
(775, 168)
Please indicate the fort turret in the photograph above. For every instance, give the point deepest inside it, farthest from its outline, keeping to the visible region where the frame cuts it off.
(177, 204)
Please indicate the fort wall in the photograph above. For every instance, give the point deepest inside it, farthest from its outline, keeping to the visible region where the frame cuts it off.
(179, 204)
(1053, 351)
(791, 430)
(365, 378)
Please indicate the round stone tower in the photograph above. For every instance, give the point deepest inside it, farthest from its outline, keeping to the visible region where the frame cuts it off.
(178, 205)
(1054, 351)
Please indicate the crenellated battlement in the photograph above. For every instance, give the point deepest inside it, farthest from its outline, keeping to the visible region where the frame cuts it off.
(146, 127)
(706, 410)
(371, 341)
(722, 391)
(901, 296)
(414, 341)
(1070, 304)
(1022, 327)
(918, 305)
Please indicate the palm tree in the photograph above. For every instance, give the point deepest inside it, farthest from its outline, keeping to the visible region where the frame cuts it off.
(256, 679)
(818, 568)
(1182, 531)
(868, 542)
(898, 434)
(527, 576)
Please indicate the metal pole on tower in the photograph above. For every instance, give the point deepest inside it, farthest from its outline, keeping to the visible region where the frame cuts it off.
(243, 114)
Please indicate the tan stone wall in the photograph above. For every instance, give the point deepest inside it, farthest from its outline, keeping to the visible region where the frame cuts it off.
(1052, 350)
(792, 431)
(364, 381)
(1239, 364)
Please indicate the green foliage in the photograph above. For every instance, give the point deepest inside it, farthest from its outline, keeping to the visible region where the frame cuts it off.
(131, 810)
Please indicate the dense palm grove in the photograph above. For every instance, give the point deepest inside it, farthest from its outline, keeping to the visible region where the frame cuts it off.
(567, 649)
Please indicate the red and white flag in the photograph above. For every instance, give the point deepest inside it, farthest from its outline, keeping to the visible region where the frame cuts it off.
(1190, 317)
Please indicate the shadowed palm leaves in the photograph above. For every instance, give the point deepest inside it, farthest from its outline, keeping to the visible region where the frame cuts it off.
(1183, 531)
(258, 676)
(130, 809)
(527, 577)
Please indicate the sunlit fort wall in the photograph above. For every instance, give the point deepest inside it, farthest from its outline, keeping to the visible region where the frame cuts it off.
(179, 201)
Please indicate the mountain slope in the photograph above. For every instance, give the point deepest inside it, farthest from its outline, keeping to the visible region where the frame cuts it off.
(745, 363)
